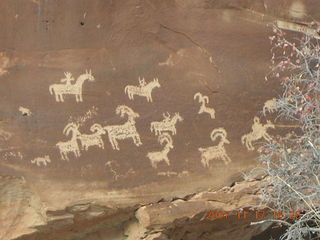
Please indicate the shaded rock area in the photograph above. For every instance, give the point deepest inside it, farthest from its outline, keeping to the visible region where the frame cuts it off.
(82, 155)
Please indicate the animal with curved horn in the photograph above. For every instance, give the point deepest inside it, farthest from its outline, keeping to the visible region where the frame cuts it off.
(156, 157)
(218, 151)
(203, 108)
(126, 130)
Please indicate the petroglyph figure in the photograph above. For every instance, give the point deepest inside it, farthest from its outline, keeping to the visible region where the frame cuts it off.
(270, 106)
(203, 108)
(5, 135)
(156, 157)
(41, 160)
(25, 111)
(72, 89)
(167, 124)
(218, 151)
(94, 139)
(143, 89)
(70, 146)
(258, 131)
(126, 130)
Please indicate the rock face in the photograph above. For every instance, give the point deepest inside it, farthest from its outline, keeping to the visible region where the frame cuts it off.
(107, 106)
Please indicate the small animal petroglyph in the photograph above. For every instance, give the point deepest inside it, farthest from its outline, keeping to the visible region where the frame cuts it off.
(12, 155)
(167, 124)
(156, 157)
(258, 131)
(70, 146)
(126, 130)
(143, 89)
(70, 89)
(218, 151)
(270, 106)
(41, 160)
(169, 174)
(203, 108)
(94, 139)
(25, 111)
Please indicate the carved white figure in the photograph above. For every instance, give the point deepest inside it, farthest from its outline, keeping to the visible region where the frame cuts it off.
(126, 130)
(270, 106)
(94, 139)
(156, 157)
(143, 89)
(70, 146)
(72, 89)
(25, 111)
(167, 124)
(218, 151)
(258, 131)
(203, 108)
(41, 160)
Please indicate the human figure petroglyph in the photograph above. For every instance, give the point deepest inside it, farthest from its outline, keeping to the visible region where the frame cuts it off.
(167, 124)
(126, 130)
(203, 108)
(70, 146)
(41, 160)
(94, 139)
(218, 151)
(258, 131)
(156, 157)
(143, 89)
(270, 106)
(68, 79)
(72, 89)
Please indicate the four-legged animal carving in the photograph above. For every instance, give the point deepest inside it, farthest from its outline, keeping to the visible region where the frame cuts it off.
(94, 139)
(41, 160)
(70, 146)
(270, 106)
(72, 89)
(167, 124)
(156, 157)
(126, 130)
(258, 131)
(218, 151)
(203, 108)
(143, 90)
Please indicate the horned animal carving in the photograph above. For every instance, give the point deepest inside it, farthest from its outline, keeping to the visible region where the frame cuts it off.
(258, 131)
(68, 88)
(156, 157)
(41, 160)
(126, 130)
(143, 89)
(167, 124)
(203, 108)
(70, 146)
(218, 151)
(94, 139)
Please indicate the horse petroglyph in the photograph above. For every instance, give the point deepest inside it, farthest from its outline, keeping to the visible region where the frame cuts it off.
(70, 146)
(94, 139)
(143, 89)
(258, 131)
(156, 157)
(126, 130)
(218, 151)
(203, 108)
(68, 88)
(167, 124)
(270, 106)
(41, 160)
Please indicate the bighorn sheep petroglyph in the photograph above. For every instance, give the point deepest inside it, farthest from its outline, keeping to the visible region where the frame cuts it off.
(156, 157)
(94, 139)
(218, 151)
(203, 108)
